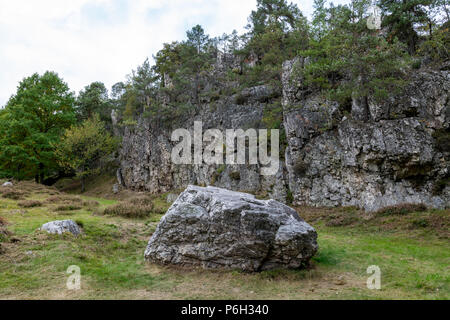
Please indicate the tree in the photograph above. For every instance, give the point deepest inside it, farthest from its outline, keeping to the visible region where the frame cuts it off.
(401, 18)
(94, 99)
(32, 120)
(85, 148)
(143, 81)
(319, 22)
(182, 67)
(353, 62)
(277, 31)
(167, 61)
(197, 38)
(277, 12)
(444, 6)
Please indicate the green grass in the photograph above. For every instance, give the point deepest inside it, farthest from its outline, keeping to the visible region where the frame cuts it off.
(414, 263)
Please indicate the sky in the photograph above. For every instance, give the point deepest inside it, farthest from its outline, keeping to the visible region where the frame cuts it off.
(103, 40)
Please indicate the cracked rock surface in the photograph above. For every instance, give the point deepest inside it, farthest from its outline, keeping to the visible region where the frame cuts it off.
(221, 229)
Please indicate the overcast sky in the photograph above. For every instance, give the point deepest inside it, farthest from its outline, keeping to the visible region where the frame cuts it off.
(103, 40)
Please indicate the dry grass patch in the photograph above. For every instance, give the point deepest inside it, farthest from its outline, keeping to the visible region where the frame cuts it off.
(67, 207)
(13, 194)
(4, 234)
(402, 209)
(64, 199)
(32, 187)
(129, 210)
(29, 203)
(90, 203)
(333, 217)
(139, 206)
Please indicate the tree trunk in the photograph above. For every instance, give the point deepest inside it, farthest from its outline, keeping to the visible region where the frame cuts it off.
(83, 185)
(40, 174)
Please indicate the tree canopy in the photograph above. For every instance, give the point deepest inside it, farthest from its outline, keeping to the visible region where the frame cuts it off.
(84, 148)
(32, 120)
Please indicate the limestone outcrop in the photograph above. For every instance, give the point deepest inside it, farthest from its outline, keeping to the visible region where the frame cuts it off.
(221, 229)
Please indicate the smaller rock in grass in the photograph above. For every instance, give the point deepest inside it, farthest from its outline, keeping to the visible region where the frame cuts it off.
(62, 226)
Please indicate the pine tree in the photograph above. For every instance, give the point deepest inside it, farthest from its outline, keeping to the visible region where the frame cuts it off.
(94, 99)
(401, 18)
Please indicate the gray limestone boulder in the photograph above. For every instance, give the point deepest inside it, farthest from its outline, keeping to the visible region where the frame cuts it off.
(62, 226)
(221, 229)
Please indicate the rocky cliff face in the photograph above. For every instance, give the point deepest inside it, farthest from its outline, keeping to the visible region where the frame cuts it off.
(369, 155)
(372, 155)
(146, 150)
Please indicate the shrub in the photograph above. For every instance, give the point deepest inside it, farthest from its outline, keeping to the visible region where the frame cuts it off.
(300, 166)
(289, 197)
(402, 209)
(4, 233)
(31, 186)
(235, 175)
(90, 203)
(13, 194)
(240, 99)
(420, 223)
(220, 169)
(141, 201)
(129, 210)
(64, 199)
(29, 204)
(79, 223)
(343, 217)
(440, 185)
(67, 207)
(442, 140)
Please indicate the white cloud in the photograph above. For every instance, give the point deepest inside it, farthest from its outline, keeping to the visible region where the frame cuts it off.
(102, 40)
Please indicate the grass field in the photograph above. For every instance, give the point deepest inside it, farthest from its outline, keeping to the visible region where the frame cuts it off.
(411, 249)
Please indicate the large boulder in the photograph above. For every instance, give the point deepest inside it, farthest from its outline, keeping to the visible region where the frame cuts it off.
(217, 228)
(62, 226)
(7, 184)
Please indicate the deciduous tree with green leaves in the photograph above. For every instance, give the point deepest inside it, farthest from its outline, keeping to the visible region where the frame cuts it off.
(84, 148)
(33, 119)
